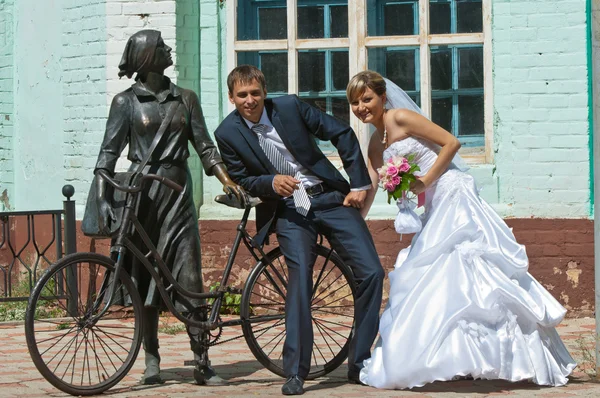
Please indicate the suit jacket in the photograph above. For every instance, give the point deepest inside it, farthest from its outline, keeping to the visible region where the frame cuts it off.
(297, 123)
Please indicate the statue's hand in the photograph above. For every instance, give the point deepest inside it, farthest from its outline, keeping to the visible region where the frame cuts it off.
(238, 191)
(106, 215)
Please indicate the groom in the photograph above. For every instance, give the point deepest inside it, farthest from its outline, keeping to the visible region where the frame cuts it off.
(269, 148)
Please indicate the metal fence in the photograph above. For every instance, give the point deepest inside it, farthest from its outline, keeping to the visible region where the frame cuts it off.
(30, 241)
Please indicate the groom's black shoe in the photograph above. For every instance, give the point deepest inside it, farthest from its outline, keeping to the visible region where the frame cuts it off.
(294, 385)
(354, 378)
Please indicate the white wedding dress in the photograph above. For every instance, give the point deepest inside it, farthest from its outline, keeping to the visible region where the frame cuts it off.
(461, 301)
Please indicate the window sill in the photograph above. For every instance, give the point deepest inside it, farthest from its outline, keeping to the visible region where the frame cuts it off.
(473, 155)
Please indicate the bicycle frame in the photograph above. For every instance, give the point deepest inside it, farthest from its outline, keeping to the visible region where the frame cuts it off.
(123, 243)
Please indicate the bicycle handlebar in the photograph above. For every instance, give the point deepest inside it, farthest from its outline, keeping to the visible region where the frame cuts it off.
(233, 201)
(137, 188)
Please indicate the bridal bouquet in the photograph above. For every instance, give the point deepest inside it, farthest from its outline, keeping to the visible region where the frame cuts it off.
(396, 175)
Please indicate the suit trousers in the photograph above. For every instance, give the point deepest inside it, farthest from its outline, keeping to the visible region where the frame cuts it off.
(348, 234)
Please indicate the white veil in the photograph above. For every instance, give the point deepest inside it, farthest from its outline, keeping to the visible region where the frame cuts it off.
(398, 99)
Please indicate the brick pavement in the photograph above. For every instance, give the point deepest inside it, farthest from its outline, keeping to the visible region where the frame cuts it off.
(233, 361)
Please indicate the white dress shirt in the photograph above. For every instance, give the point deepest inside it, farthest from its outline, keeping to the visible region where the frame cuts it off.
(306, 177)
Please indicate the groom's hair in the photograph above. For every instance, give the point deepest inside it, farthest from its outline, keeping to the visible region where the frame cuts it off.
(245, 74)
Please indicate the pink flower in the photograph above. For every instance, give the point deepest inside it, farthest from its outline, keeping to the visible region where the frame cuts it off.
(396, 180)
(399, 161)
(392, 171)
(404, 167)
(389, 186)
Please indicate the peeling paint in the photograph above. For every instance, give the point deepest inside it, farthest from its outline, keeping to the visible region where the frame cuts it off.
(225, 250)
(565, 300)
(4, 201)
(549, 286)
(557, 270)
(573, 273)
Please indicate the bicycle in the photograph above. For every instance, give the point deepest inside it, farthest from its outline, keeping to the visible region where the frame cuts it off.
(83, 322)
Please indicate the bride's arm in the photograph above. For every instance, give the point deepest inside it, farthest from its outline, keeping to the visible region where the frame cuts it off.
(371, 192)
(412, 123)
(375, 161)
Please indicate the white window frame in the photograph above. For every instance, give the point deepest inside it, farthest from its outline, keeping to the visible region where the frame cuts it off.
(358, 44)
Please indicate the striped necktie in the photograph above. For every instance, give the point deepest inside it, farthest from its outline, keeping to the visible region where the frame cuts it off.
(301, 199)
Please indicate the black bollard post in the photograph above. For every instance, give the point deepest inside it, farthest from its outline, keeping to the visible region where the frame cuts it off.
(70, 231)
(70, 248)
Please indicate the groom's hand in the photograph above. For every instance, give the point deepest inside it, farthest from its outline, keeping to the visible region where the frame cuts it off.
(355, 199)
(285, 185)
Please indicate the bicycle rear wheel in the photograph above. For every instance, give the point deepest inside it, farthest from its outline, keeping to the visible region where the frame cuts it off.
(263, 311)
(75, 349)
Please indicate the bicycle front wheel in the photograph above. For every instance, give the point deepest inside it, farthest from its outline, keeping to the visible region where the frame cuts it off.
(263, 311)
(76, 345)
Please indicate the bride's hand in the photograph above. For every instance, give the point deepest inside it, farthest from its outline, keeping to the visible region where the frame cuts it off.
(418, 186)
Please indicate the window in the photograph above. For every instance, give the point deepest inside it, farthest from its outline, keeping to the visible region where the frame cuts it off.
(438, 51)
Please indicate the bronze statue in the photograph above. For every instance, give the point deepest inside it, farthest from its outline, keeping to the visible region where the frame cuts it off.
(169, 217)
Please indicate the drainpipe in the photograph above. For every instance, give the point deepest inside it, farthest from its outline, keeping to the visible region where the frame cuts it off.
(593, 48)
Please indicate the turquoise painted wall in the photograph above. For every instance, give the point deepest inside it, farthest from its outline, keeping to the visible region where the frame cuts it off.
(84, 82)
(38, 105)
(541, 128)
(187, 70)
(213, 94)
(6, 103)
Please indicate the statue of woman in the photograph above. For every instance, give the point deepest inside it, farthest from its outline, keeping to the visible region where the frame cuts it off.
(168, 217)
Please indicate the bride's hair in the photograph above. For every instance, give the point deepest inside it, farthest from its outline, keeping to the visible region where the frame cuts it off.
(363, 80)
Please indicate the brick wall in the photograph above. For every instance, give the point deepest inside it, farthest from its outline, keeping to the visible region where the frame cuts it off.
(188, 71)
(178, 22)
(541, 126)
(561, 255)
(95, 34)
(84, 90)
(6, 103)
(124, 18)
(212, 75)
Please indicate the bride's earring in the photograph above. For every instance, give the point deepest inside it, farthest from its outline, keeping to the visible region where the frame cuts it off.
(384, 140)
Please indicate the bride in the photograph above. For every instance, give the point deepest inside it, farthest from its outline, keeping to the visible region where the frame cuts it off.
(461, 301)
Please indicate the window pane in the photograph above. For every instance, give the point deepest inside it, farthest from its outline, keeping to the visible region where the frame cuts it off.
(470, 67)
(340, 70)
(469, 16)
(441, 112)
(470, 109)
(273, 65)
(311, 71)
(457, 90)
(441, 69)
(455, 16)
(335, 106)
(341, 109)
(339, 21)
(400, 65)
(311, 22)
(265, 20)
(322, 79)
(392, 17)
(440, 16)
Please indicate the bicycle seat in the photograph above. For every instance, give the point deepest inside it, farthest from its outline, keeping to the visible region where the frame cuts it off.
(232, 201)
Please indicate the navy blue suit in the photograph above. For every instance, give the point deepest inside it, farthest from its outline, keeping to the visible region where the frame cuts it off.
(298, 123)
